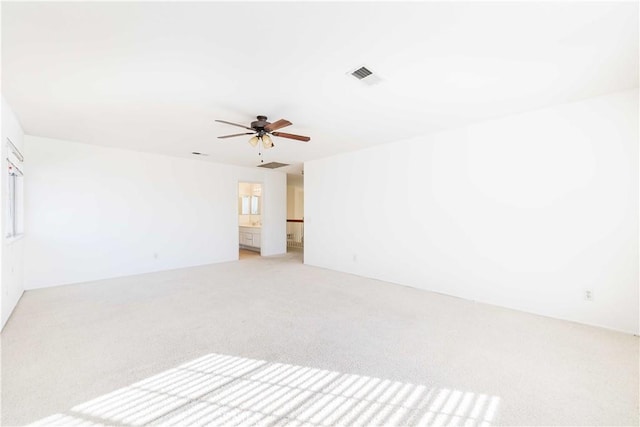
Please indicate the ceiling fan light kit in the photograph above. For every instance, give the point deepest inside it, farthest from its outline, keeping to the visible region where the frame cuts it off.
(267, 142)
(261, 131)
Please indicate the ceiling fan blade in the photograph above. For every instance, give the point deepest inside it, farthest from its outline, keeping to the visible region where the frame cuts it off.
(236, 134)
(279, 124)
(234, 124)
(291, 136)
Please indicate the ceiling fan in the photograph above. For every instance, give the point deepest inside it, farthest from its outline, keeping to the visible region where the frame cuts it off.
(262, 129)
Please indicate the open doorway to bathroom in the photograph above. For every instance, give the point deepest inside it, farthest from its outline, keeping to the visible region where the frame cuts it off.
(295, 213)
(249, 219)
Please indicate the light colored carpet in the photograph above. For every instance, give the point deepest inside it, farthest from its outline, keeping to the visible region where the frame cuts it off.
(272, 341)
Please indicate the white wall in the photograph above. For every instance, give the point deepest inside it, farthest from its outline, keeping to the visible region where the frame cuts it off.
(11, 250)
(295, 196)
(527, 211)
(95, 212)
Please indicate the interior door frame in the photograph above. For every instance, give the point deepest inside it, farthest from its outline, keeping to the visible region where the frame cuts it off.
(262, 216)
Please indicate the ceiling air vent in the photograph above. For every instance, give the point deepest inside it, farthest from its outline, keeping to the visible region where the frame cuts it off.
(365, 75)
(361, 73)
(273, 165)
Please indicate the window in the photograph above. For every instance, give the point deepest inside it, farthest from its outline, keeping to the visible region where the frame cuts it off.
(15, 191)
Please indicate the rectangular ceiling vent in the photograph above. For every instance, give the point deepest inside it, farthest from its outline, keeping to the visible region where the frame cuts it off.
(361, 73)
(365, 75)
(273, 165)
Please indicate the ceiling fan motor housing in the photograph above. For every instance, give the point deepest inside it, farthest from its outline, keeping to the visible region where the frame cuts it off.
(260, 123)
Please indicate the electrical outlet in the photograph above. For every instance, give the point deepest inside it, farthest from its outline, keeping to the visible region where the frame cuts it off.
(588, 295)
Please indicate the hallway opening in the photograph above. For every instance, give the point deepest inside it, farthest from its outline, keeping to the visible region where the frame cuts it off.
(295, 212)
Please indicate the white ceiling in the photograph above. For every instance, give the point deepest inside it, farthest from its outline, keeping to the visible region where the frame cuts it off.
(154, 76)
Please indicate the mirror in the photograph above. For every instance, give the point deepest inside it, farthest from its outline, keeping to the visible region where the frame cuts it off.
(249, 205)
(255, 205)
(244, 205)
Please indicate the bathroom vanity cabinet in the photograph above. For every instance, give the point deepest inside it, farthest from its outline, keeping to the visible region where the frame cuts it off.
(250, 238)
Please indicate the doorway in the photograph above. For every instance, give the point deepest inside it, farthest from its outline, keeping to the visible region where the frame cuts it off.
(295, 213)
(250, 208)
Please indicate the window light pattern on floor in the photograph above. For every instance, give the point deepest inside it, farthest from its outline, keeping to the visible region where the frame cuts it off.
(228, 390)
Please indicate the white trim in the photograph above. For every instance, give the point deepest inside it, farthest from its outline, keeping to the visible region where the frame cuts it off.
(11, 164)
(15, 150)
(12, 239)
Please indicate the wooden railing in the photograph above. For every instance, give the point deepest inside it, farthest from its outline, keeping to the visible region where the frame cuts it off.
(295, 233)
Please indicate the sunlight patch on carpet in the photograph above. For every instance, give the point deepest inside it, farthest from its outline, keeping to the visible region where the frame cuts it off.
(220, 389)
